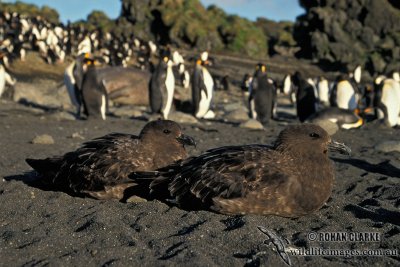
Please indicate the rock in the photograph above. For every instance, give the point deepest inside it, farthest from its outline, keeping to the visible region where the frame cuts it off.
(63, 116)
(346, 33)
(388, 146)
(76, 136)
(46, 96)
(181, 117)
(135, 199)
(229, 107)
(252, 124)
(127, 111)
(238, 115)
(330, 127)
(174, 20)
(43, 139)
(377, 63)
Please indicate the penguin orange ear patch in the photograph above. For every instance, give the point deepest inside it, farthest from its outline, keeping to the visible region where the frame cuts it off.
(368, 110)
(90, 62)
(87, 55)
(263, 68)
(165, 59)
(198, 62)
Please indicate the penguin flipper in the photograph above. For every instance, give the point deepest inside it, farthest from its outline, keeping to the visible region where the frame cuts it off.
(203, 87)
(384, 109)
(333, 97)
(164, 96)
(104, 89)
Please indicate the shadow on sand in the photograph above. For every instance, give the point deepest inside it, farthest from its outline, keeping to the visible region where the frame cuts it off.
(384, 168)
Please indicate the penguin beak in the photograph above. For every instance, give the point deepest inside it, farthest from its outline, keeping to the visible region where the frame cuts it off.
(334, 146)
(186, 140)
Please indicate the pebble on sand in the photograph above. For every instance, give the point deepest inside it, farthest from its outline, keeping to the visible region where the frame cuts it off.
(237, 115)
(43, 139)
(76, 136)
(330, 127)
(136, 199)
(127, 112)
(252, 124)
(181, 117)
(388, 146)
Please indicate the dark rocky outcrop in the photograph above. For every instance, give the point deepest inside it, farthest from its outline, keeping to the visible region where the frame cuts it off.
(279, 36)
(343, 33)
(189, 24)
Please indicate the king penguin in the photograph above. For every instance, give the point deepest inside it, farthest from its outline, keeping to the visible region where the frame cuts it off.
(346, 93)
(202, 89)
(306, 101)
(387, 100)
(288, 88)
(5, 78)
(94, 93)
(262, 96)
(2, 79)
(344, 118)
(323, 91)
(162, 86)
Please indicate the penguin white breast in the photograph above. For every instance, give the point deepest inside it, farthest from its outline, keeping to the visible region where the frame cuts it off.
(312, 84)
(253, 112)
(2, 79)
(323, 91)
(287, 84)
(186, 81)
(170, 85)
(346, 97)
(70, 84)
(209, 83)
(391, 99)
(205, 99)
(103, 107)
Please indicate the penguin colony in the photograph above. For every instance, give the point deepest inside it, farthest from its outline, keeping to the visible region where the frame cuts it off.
(262, 96)
(54, 42)
(345, 102)
(315, 99)
(162, 87)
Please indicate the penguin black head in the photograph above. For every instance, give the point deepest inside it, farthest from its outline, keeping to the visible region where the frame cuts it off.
(90, 61)
(165, 55)
(297, 77)
(199, 62)
(260, 67)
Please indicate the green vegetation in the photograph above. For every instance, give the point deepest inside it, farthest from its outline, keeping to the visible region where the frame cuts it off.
(98, 19)
(189, 24)
(31, 10)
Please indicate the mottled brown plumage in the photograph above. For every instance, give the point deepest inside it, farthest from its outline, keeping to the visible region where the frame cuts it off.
(292, 178)
(101, 166)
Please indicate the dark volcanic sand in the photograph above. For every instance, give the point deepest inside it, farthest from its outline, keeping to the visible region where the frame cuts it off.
(41, 227)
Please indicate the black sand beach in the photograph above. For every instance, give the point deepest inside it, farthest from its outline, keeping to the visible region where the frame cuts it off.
(40, 227)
